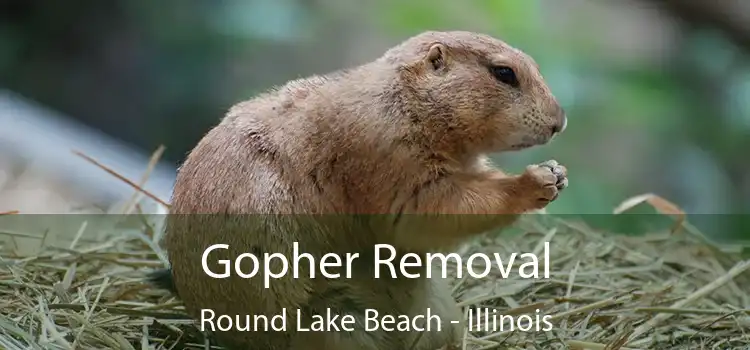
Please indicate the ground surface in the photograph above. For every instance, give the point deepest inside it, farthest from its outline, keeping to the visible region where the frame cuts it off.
(662, 291)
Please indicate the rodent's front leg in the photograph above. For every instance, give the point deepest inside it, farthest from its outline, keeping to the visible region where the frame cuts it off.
(464, 204)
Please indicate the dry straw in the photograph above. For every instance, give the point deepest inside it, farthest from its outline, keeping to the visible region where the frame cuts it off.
(665, 290)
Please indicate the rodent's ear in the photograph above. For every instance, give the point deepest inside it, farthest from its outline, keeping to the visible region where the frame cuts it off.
(436, 56)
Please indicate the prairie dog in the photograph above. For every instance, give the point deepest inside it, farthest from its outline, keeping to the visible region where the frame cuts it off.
(392, 140)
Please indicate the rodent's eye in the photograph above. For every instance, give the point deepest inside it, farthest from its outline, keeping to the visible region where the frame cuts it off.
(505, 75)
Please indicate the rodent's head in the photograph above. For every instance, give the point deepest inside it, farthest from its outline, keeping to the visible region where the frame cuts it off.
(487, 94)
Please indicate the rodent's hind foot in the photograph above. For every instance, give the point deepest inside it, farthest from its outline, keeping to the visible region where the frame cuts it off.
(162, 279)
(438, 298)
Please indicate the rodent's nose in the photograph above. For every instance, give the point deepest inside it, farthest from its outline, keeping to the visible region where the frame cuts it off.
(561, 124)
(560, 127)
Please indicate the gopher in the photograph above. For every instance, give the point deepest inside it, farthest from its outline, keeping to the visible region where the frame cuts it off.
(390, 152)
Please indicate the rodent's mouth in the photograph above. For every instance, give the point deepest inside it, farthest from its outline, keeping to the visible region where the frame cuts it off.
(520, 146)
(531, 142)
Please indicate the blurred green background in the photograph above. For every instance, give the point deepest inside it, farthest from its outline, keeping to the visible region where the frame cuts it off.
(657, 91)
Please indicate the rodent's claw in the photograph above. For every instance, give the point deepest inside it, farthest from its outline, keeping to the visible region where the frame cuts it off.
(550, 163)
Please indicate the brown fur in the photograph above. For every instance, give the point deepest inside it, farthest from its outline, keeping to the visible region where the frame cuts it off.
(405, 134)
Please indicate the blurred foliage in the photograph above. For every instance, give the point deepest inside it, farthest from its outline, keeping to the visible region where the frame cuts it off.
(164, 72)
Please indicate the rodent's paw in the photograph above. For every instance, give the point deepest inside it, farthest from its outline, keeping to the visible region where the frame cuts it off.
(561, 174)
(544, 182)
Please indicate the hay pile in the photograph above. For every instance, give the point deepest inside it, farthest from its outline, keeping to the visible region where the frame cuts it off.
(663, 291)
